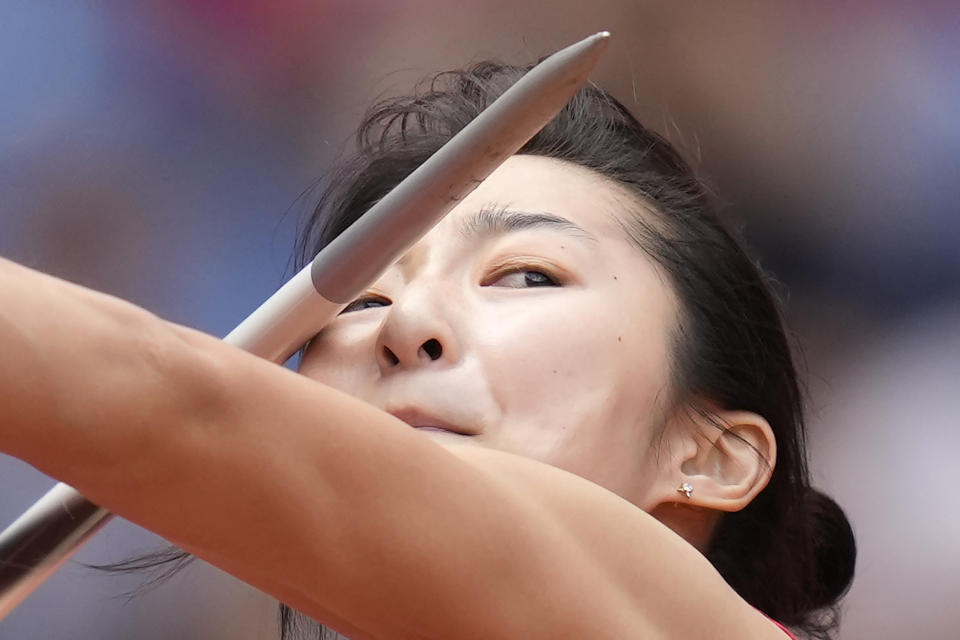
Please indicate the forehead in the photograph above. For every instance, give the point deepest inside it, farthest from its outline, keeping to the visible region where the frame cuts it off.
(546, 185)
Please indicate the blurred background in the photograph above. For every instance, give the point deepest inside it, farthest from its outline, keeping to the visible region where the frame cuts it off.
(157, 151)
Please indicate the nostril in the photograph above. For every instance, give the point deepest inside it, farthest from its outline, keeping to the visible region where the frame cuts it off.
(390, 356)
(433, 348)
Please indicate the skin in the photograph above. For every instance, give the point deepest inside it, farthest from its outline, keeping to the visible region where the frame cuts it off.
(303, 486)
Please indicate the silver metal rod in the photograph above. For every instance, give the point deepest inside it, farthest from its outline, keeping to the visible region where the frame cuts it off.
(48, 534)
(42, 539)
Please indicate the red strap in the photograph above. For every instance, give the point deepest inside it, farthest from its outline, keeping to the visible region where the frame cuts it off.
(785, 630)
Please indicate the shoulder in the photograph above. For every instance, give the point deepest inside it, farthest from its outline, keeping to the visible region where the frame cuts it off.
(664, 584)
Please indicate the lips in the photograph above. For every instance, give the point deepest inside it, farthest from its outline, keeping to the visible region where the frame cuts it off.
(425, 421)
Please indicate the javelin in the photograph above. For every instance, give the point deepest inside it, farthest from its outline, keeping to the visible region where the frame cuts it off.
(51, 531)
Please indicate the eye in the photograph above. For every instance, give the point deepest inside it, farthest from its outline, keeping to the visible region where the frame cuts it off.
(522, 278)
(366, 302)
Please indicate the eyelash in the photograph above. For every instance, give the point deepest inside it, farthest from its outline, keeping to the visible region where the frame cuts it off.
(550, 280)
(360, 303)
(524, 265)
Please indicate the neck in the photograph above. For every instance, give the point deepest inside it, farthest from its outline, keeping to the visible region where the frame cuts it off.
(694, 524)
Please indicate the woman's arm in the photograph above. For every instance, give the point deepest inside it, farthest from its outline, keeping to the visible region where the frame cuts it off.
(328, 504)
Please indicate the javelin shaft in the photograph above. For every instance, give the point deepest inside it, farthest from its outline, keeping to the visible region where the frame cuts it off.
(53, 529)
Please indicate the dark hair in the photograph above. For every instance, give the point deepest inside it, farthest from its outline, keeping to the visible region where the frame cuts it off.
(790, 552)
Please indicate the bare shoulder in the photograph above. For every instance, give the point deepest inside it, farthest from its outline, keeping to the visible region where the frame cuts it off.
(669, 586)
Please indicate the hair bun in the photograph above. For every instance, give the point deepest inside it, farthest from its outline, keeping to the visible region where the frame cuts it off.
(834, 547)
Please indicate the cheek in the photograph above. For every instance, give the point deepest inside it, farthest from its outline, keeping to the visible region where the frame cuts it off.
(340, 356)
(534, 352)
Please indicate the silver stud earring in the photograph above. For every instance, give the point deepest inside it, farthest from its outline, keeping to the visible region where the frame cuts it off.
(686, 489)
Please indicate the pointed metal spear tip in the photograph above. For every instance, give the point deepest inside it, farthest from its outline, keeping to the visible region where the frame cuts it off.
(587, 50)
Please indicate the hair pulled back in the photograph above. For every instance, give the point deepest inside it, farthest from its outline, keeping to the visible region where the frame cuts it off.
(791, 551)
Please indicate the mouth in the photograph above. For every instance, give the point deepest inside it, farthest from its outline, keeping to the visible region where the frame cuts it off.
(436, 429)
(422, 421)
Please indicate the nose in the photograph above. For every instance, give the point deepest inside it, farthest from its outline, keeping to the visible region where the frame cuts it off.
(417, 332)
(432, 349)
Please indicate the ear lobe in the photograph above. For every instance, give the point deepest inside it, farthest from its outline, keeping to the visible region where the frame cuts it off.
(731, 462)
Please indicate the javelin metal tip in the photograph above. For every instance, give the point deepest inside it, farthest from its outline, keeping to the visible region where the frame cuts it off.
(590, 47)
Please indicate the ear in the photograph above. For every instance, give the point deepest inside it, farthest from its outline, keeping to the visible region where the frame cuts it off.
(726, 457)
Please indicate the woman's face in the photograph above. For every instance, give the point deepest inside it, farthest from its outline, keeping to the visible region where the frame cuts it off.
(525, 321)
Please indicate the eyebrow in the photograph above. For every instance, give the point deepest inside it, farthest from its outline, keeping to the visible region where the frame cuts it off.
(498, 220)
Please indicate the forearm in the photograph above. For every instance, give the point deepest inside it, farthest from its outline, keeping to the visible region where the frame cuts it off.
(80, 372)
(237, 460)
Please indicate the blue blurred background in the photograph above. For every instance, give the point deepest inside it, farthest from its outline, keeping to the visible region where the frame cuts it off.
(157, 151)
